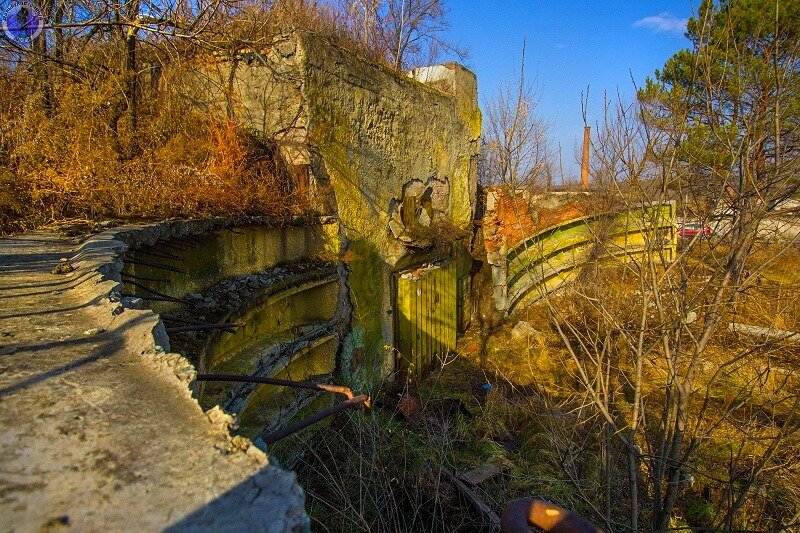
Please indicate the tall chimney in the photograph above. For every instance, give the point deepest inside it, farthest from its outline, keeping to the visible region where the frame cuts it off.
(585, 159)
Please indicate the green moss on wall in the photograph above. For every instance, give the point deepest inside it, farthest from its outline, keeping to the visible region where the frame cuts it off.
(366, 293)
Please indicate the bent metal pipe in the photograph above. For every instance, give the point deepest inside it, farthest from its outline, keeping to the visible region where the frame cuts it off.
(279, 434)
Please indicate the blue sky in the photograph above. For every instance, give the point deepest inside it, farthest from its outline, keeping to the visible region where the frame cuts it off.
(606, 45)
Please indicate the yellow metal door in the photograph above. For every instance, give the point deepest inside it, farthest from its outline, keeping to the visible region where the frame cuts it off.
(426, 316)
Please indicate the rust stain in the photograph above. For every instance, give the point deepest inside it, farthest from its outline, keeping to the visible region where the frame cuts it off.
(513, 219)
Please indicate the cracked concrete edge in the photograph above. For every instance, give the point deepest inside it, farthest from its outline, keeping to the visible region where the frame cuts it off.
(101, 257)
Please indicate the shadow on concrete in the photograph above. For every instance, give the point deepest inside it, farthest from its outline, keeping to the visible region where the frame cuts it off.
(61, 285)
(110, 343)
(259, 503)
(48, 311)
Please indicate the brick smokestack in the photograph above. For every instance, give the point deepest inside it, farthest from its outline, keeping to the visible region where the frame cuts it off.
(585, 159)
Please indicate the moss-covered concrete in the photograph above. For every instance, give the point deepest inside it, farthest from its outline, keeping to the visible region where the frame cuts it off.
(365, 132)
(224, 253)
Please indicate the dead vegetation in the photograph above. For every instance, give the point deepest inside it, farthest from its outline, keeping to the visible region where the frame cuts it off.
(523, 410)
(97, 120)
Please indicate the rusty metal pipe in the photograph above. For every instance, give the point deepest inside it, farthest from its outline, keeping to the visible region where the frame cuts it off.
(316, 417)
(519, 515)
(310, 385)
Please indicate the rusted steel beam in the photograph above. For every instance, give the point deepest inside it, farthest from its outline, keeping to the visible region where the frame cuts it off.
(285, 431)
(203, 327)
(144, 278)
(154, 265)
(310, 385)
(519, 515)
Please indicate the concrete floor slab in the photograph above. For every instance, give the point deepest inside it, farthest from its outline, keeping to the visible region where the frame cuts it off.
(98, 430)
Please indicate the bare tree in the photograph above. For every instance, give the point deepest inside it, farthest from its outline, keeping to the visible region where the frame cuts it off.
(515, 136)
(655, 342)
(406, 33)
(412, 30)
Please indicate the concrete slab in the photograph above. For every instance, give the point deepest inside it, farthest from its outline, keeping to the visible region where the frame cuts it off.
(98, 430)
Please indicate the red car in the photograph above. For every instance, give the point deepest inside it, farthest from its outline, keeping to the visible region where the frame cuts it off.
(692, 229)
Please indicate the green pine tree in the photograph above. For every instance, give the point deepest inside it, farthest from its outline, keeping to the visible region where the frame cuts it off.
(731, 103)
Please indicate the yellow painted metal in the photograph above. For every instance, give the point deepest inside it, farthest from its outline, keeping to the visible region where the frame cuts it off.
(556, 255)
(426, 316)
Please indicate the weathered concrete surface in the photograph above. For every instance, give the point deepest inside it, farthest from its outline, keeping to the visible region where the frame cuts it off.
(386, 151)
(99, 430)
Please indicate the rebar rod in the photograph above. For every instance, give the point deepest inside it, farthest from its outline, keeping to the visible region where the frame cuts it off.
(316, 417)
(160, 254)
(182, 320)
(154, 265)
(144, 278)
(174, 244)
(203, 327)
(190, 239)
(151, 291)
(310, 385)
(154, 298)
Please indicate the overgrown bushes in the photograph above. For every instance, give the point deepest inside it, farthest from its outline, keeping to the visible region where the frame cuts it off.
(97, 121)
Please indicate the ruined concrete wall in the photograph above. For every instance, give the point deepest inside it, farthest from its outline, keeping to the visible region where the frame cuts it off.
(382, 138)
(384, 150)
(142, 455)
(377, 131)
(512, 216)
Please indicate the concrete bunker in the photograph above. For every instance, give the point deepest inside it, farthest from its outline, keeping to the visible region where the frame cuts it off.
(392, 156)
(388, 161)
(254, 300)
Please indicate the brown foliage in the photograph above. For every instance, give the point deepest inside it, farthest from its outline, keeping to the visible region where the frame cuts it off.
(67, 148)
(72, 164)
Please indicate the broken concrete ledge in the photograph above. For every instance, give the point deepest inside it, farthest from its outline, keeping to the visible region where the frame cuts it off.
(265, 498)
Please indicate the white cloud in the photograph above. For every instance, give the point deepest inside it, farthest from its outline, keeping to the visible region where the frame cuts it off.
(663, 23)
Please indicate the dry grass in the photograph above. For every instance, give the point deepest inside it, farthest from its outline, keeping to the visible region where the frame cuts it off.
(76, 157)
(74, 163)
(538, 426)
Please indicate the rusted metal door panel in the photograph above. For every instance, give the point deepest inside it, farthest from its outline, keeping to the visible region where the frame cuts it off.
(426, 315)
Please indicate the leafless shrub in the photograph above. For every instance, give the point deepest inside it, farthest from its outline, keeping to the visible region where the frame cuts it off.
(699, 423)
